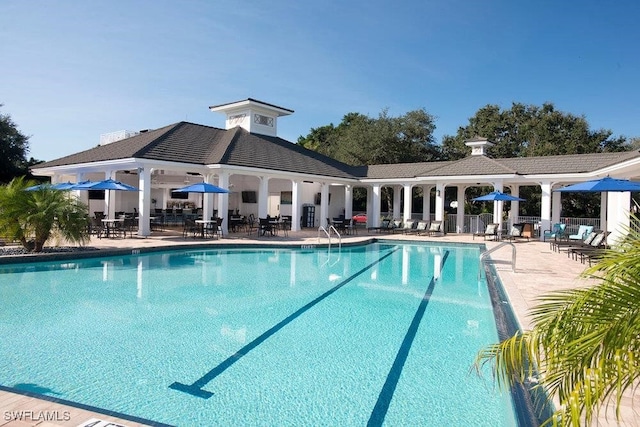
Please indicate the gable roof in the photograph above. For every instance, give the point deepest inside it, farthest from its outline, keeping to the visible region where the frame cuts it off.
(191, 143)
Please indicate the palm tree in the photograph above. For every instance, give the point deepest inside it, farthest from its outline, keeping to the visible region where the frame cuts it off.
(585, 346)
(33, 217)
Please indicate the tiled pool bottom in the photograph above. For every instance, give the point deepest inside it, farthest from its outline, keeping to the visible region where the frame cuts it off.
(295, 364)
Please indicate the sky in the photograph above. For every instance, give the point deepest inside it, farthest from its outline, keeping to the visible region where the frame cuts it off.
(73, 70)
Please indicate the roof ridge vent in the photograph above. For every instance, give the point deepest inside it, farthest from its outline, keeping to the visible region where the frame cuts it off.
(479, 145)
(252, 115)
(108, 138)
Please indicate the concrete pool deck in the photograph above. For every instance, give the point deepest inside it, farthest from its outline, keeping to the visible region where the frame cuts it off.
(538, 270)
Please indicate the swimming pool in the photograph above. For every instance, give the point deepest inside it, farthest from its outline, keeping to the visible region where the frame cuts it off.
(375, 334)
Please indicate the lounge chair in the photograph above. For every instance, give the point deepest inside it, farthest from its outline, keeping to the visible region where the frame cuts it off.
(407, 226)
(420, 228)
(557, 232)
(591, 251)
(491, 230)
(583, 232)
(384, 226)
(516, 232)
(435, 228)
(557, 245)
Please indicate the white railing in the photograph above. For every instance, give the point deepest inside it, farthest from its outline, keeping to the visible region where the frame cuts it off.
(478, 223)
(484, 254)
(327, 232)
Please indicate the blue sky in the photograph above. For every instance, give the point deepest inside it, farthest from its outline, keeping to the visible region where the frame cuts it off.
(73, 70)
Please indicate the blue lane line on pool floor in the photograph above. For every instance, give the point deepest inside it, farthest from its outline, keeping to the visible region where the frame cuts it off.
(389, 387)
(195, 389)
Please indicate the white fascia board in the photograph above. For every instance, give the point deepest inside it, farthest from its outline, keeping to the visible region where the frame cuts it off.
(86, 167)
(468, 178)
(620, 167)
(245, 105)
(120, 164)
(390, 181)
(245, 170)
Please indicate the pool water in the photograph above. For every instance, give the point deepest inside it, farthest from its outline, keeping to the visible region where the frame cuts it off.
(379, 334)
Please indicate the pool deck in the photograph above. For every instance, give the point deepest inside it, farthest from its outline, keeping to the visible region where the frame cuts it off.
(538, 270)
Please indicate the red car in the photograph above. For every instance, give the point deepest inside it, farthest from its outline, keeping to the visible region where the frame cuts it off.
(359, 218)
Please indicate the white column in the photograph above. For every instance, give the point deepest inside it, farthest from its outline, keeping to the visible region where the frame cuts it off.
(144, 201)
(348, 202)
(460, 209)
(263, 197)
(396, 201)
(556, 206)
(545, 208)
(296, 205)
(618, 211)
(407, 202)
(374, 219)
(603, 210)
(207, 200)
(440, 201)
(83, 195)
(223, 202)
(324, 203)
(514, 213)
(426, 202)
(166, 194)
(498, 206)
(370, 207)
(109, 200)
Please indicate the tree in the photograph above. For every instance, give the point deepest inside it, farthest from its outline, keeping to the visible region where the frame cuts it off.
(14, 147)
(361, 140)
(584, 344)
(33, 217)
(529, 130)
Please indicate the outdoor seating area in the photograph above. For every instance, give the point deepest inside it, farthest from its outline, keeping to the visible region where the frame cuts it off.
(587, 250)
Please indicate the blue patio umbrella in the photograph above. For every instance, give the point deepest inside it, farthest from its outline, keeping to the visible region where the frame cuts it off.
(201, 187)
(605, 184)
(107, 184)
(58, 186)
(497, 196)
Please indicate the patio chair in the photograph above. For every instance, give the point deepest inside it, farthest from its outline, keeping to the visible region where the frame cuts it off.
(384, 226)
(435, 228)
(264, 227)
(557, 245)
(420, 228)
(557, 232)
(408, 225)
(516, 232)
(583, 232)
(190, 227)
(128, 225)
(212, 229)
(592, 251)
(251, 224)
(490, 231)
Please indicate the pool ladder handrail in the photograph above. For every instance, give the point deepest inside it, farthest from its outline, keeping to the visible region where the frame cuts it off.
(328, 234)
(484, 254)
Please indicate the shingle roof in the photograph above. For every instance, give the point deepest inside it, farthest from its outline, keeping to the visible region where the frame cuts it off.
(473, 165)
(197, 144)
(570, 163)
(191, 143)
(400, 170)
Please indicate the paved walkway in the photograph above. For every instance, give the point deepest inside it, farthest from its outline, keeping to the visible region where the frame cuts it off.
(538, 270)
